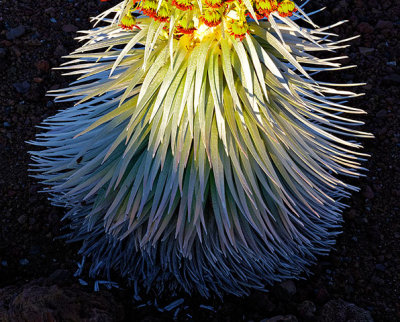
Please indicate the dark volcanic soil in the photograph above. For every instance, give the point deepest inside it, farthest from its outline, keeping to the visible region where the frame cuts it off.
(363, 270)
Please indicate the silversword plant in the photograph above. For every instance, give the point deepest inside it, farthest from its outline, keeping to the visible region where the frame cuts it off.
(201, 151)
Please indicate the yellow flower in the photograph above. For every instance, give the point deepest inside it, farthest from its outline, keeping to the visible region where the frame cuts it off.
(163, 13)
(128, 22)
(265, 7)
(213, 3)
(211, 17)
(238, 29)
(286, 8)
(183, 4)
(186, 26)
(149, 8)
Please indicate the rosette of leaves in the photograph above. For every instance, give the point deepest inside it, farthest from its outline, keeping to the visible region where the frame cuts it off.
(201, 153)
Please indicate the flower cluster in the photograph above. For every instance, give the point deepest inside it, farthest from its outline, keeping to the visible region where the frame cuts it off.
(193, 14)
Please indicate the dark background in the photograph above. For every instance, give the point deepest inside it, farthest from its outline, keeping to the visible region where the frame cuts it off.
(364, 269)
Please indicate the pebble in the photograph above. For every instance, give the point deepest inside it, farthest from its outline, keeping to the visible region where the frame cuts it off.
(281, 318)
(288, 287)
(368, 193)
(22, 87)
(365, 50)
(384, 24)
(42, 65)
(60, 51)
(307, 309)
(34, 250)
(24, 261)
(322, 295)
(365, 28)
(392, 79)
(339, 310)
(381, 114)
(70, 28)
(46, 299)
(15, 32)
(21, 219)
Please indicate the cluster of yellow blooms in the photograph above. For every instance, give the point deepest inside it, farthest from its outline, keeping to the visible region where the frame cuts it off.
(211, 14)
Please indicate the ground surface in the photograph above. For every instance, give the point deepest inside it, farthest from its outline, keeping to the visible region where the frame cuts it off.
(364, 268)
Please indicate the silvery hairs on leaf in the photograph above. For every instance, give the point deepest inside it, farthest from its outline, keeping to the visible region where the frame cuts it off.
(201, 161)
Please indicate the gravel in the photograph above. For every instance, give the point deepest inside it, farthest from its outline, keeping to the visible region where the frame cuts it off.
(363, 270)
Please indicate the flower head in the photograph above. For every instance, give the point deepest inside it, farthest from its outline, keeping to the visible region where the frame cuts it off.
(149, 8)
(128, 22)
(186, 26)
(286, 8)
(214, 3)
(164, 13)
(265, 7)
(183, 5)
(238, 29)
(211, 13)
(211, 17)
